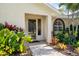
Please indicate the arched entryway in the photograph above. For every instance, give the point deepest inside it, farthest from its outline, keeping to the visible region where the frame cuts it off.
(58, 26)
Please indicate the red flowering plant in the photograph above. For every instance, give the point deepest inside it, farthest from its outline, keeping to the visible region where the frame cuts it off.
(13, 27)
(10, 27)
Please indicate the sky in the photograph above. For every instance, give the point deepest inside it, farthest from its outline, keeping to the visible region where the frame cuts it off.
(55, 5)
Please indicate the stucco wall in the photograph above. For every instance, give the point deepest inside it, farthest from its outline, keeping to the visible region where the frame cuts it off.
(14, 13)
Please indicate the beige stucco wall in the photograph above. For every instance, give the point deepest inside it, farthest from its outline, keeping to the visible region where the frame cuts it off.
(14, 13)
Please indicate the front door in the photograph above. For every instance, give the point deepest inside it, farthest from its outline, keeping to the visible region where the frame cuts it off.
(32, 28)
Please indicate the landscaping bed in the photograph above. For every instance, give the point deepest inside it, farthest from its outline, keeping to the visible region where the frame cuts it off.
(66, 43)
(65, 52)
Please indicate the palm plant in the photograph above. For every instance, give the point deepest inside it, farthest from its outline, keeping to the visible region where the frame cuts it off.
(67, 7)
(71, 7)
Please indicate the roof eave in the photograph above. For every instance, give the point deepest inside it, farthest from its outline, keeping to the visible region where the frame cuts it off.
(53, 8)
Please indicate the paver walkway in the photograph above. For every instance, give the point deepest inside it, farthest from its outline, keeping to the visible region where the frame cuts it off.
(41, 49)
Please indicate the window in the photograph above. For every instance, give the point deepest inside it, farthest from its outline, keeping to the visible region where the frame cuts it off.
(32, 28)
(32, 25)
(58, 26)
(39, 26)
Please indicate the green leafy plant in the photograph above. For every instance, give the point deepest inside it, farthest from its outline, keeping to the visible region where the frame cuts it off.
(60, 36)
(66, 39)
(27, 38)
(1, 26)
(76, 44)
(75, 33)
(62, 46)
(12, 43)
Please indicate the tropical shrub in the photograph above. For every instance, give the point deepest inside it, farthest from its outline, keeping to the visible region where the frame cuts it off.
(60, 36)
(76, 44)
(75, 33)
(67, 39)
(64, 38)
(12, 43)
(54, 41)
(10, 27)
(1, 26)
(61, 46)
(13, 27)
(77, 50)
(74, 40)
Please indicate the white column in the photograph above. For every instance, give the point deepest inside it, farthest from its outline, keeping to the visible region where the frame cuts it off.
(49, 28)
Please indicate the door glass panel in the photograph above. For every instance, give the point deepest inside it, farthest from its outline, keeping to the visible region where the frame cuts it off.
(32, 28)
(39, 26)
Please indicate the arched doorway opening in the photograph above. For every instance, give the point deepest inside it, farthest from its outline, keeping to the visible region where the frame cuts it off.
(58, 26)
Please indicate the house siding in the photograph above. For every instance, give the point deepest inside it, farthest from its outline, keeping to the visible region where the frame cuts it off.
(15, 12)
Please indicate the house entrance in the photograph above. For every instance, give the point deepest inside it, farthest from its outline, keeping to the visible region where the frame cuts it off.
(32, 28)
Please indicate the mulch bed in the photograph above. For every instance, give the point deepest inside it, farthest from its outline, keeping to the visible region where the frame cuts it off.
(65, 52)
